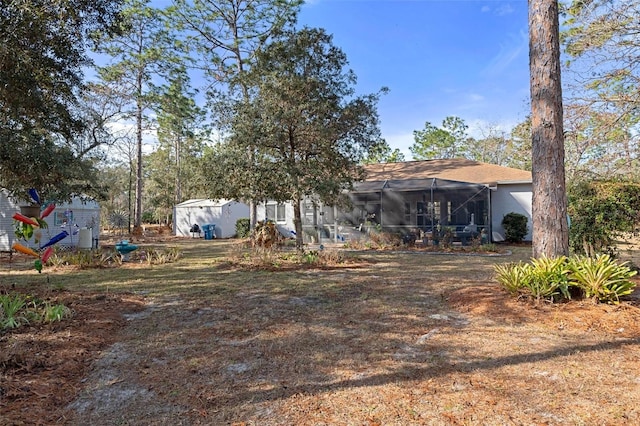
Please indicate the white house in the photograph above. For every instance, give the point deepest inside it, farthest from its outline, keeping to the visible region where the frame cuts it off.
(79, 218)
(423, 195)
(221, 213)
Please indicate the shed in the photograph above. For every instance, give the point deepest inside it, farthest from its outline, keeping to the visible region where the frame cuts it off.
(222, 213)
(71, 217)
(7, 208)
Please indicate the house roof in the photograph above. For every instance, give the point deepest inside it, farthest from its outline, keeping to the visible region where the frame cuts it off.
(454, 169)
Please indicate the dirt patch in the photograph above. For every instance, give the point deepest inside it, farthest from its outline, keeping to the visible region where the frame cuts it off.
(490, 301)
(397, 340)
(42, 368)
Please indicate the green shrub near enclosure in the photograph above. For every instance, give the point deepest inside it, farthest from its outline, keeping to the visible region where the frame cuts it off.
(243, 227)
(600, 278)
(515, 227)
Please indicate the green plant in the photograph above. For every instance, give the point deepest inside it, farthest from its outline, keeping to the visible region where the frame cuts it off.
(52, 313)
(513, 276)
(80, 258)
(488, 248)
(243, 227)
(311, 257)
(515, 227)
(542, 279)
(602, 213)
(601, 277)
(57, 260)
(11, 305)
(549, 277)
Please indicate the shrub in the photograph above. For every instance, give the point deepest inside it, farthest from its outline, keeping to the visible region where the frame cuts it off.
(381, 239)
(601, 278)
(602, 212)
(515, 227)
(243, 227)
(542, 279)
(549, 278)
(513, 277)
(266, 235)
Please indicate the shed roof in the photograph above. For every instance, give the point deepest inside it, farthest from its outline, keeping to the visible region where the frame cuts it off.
(204, 202)
(453, 169)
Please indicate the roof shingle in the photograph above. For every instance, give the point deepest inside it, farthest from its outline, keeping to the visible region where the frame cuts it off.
(456, 169)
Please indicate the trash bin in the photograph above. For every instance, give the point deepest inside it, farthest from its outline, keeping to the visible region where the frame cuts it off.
(209, 231)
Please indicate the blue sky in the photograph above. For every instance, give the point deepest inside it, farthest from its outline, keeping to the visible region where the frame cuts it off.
(439, 58)
(465, 58)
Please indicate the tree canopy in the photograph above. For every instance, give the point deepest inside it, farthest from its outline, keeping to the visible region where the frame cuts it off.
(42, 53)
(447, 141)
(309, 128)
(381, 152)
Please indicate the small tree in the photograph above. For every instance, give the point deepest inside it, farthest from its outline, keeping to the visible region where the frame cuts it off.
(515, 227)
(310, 130)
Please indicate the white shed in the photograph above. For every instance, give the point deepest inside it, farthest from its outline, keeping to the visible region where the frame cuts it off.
(7, 208)
(80, 218)
(221, 213)
(71, 217)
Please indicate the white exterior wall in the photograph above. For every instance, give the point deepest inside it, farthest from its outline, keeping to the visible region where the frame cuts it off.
(81, 215)
(71, 217)
(509, 198)
(7, 209)
(285, 227)
(223, 214)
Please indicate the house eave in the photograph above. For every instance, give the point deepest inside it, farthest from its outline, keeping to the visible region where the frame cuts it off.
(514, 182)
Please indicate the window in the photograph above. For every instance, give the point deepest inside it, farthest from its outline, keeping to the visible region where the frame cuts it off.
(276, 212)
(63, 218)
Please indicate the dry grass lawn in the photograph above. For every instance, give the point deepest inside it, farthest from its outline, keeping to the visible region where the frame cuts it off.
(383, 339)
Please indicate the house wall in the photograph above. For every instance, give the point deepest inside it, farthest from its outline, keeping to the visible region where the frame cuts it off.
(506, 199)
(223, 216)
(285, 226)
(78, 213)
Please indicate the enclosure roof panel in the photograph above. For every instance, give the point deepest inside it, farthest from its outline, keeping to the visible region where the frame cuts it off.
(453, 169)
(413, 185)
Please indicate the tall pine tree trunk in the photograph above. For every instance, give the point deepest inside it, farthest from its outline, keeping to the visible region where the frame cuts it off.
(137, 221)
(550, 228)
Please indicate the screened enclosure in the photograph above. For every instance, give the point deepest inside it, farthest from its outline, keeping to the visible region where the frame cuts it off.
(419, 204)
(414, 206)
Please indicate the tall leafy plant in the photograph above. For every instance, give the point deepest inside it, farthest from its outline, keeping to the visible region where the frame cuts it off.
(601, 213)
(601, 278)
